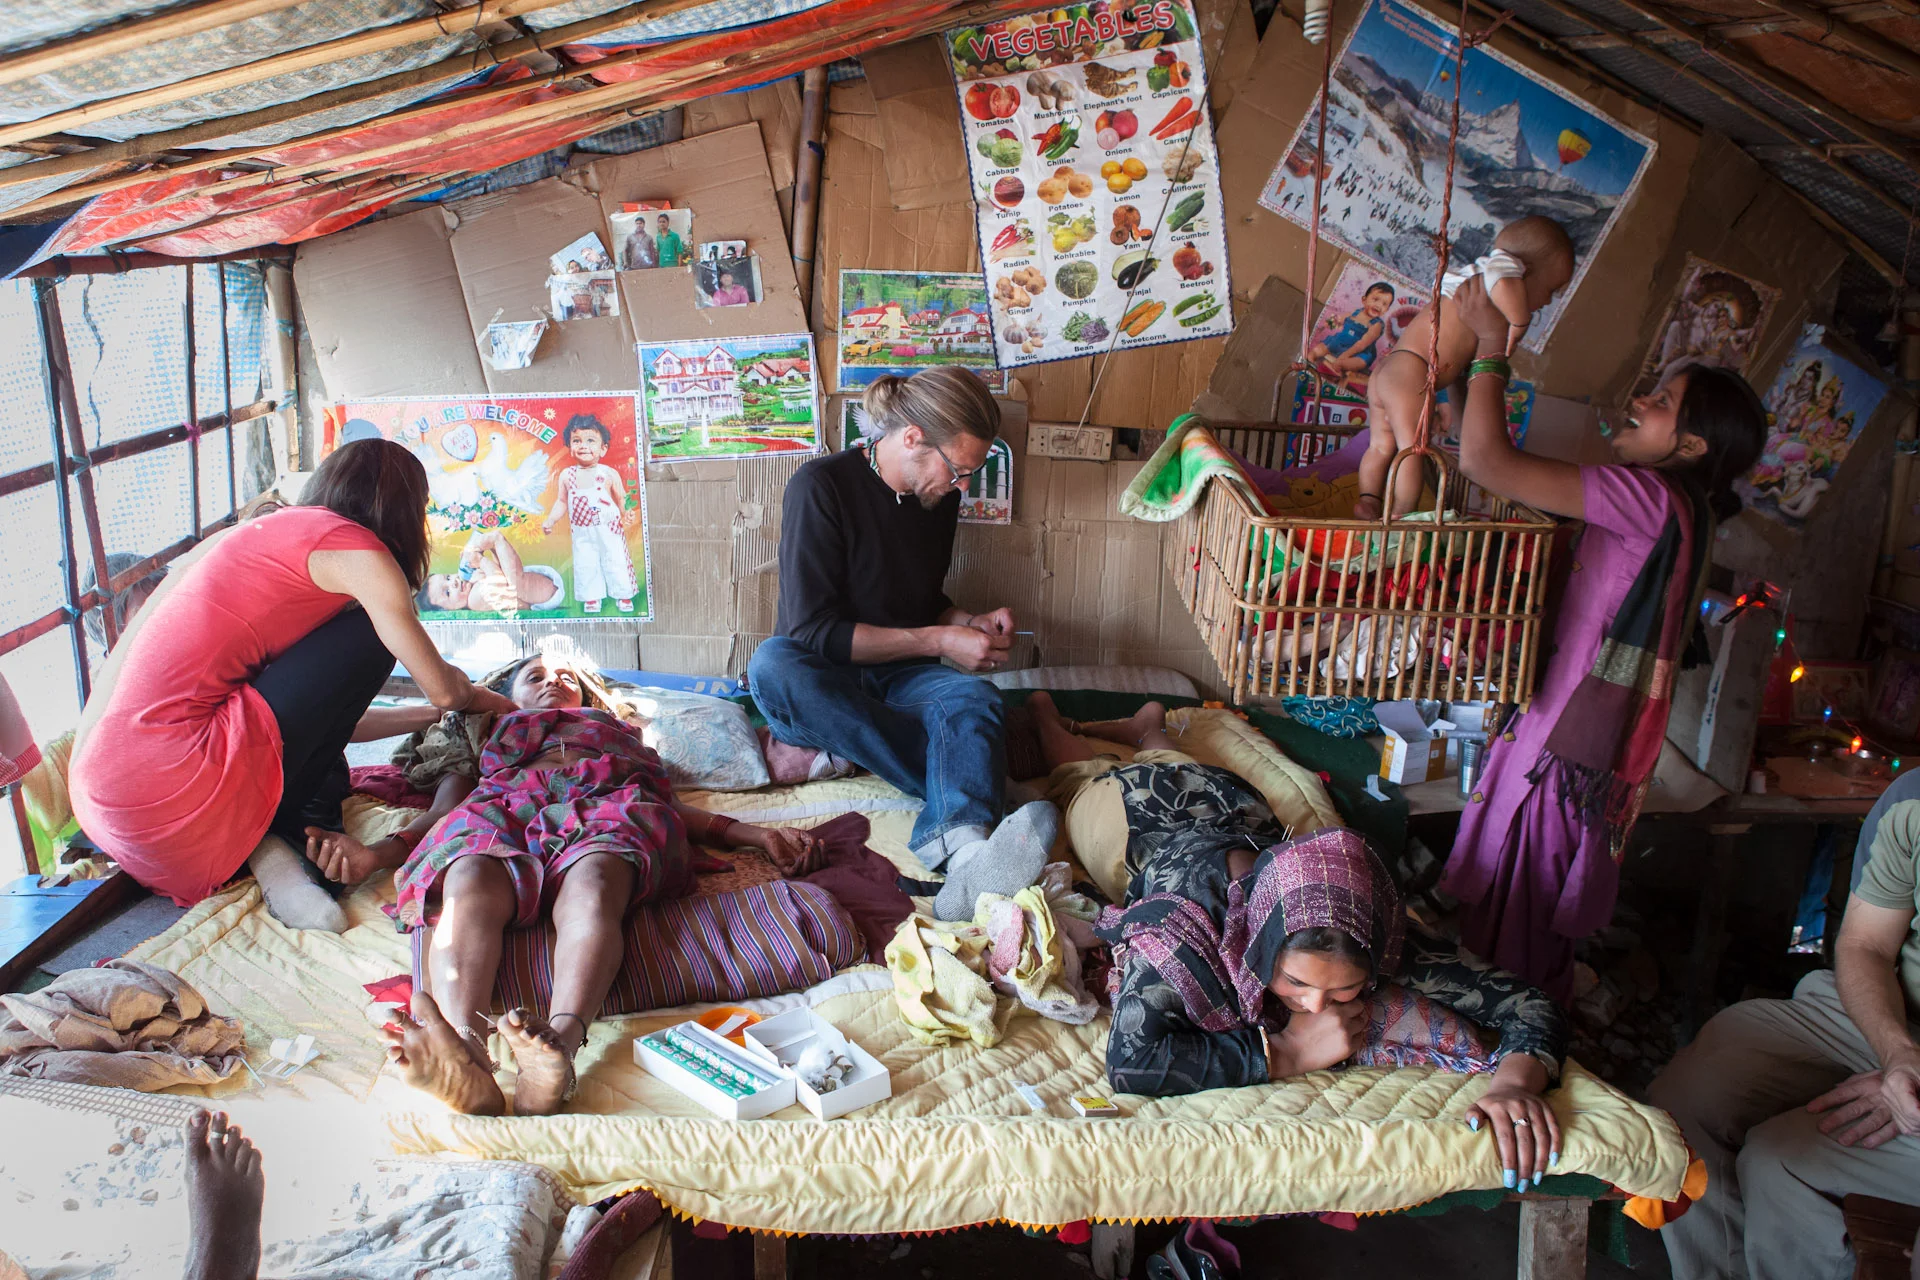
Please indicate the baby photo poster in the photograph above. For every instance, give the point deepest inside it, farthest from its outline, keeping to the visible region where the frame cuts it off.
(537, 504)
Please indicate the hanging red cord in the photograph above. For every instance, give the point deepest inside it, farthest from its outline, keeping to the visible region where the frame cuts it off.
(1462, 42)
(1313, 233)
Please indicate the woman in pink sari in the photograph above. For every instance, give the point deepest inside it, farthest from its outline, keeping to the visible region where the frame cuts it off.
(1535, 862)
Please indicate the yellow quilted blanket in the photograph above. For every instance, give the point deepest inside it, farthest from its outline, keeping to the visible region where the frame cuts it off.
(954, 1145)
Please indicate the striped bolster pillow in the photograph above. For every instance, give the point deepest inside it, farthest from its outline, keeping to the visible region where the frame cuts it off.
(758, 941)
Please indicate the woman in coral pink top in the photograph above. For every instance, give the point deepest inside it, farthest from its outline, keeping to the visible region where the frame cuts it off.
(218, 718)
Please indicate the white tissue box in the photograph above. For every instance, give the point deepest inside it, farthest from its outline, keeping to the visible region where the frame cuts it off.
(778, 1094)
(1412, 752)
(780, 1040)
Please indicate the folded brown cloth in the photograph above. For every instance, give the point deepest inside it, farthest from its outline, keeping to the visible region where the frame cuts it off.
(124, 1024)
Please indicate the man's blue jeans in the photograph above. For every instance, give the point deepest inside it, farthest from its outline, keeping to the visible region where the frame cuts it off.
(931, 731)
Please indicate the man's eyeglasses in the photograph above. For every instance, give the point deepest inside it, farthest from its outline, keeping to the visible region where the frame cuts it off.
(960, 477)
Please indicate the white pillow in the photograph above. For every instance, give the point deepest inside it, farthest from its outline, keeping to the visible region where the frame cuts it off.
(706, 743)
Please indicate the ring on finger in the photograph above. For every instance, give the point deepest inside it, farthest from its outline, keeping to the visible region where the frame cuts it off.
(1521, 1122)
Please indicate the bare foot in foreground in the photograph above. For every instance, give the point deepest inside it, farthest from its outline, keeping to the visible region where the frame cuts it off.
(224, 1191)
(1367, 508)
(434, 1058)
(542, 1060)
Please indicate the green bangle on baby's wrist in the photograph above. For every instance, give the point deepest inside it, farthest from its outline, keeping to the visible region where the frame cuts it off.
(1495, 365)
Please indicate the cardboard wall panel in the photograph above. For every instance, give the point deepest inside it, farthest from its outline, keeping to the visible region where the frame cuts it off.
(382, 305)
(774, 107)
(723, 178)
(914, 96)
(501, 243)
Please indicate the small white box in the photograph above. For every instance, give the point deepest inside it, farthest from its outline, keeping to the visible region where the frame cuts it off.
(780, 1040)
(1412, 752)
(765, 1101)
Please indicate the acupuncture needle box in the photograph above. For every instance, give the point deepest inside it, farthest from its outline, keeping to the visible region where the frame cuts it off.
(731, 1082)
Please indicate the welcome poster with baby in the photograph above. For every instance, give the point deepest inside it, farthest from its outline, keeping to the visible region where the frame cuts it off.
(1096, 179)
(1525, 147)
(538, 506)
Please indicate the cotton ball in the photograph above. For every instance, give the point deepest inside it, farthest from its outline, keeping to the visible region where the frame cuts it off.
(821, 1069)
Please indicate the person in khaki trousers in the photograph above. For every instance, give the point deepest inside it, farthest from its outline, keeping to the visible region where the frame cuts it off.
(1795, 1103)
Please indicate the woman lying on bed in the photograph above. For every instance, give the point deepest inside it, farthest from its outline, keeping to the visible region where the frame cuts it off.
(1243, 956)
(566, 816)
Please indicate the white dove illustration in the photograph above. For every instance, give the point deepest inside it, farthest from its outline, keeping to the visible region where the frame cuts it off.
(523, 486)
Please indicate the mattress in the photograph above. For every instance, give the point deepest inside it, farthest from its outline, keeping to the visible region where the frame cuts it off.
(955, 1144)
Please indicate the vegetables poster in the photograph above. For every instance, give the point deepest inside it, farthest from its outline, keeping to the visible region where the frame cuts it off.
(536, 504)
(1096, 179)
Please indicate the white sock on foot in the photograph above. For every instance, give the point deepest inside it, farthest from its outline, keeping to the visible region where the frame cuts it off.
(1005, 863)
(295, 900)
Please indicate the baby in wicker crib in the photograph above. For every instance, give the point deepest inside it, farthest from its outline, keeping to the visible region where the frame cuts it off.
(1532, 260)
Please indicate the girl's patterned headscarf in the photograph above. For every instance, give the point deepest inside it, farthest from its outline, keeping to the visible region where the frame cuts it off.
(1327, 880)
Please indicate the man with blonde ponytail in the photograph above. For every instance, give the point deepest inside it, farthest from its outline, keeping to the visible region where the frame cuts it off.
(859, 667)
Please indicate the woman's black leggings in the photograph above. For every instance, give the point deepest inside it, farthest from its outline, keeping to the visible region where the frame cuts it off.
(318, 691)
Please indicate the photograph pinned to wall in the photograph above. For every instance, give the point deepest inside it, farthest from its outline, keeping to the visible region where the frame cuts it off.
(1526, 147)
(715, 250)
(537, 505)
(1716, 317)
(904, 321)
(511, 344)
(988, 497)
(583, 255)
(1362, 318)
(589, 295)
(648, 238)
(730, 397)
(727, 282)
(1818, 406)
(1096, 183)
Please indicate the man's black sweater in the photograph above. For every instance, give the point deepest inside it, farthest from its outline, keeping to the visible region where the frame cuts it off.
(851, 552)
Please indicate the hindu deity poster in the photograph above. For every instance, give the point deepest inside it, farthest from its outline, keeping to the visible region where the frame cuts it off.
(1818, 406)
(1716, 317)
(537, 504)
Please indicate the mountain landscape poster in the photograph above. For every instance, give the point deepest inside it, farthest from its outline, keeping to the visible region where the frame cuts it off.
(1526, 147)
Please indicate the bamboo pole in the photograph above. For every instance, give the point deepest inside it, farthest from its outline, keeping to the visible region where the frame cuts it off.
(361, 43)
(134, 33)
(60, 364)
(1729, 97)
(1861, 40)
(156, 146)
(285, 357)
(100, 264)
(806, 186)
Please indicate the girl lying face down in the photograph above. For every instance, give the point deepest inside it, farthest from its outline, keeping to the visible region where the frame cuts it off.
(561, 816)
(1242, 969)
(1244, 956)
